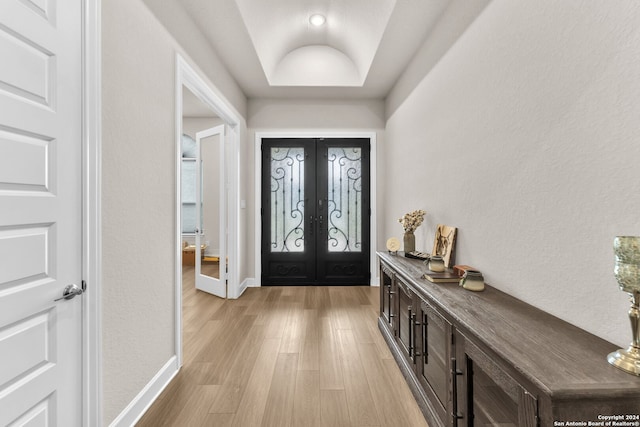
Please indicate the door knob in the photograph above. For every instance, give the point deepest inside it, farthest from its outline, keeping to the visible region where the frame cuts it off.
(70, 292)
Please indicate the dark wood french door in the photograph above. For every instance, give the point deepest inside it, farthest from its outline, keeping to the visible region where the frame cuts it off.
(315, 211)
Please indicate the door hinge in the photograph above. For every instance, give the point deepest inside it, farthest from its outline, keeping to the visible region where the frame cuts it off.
(84, 286)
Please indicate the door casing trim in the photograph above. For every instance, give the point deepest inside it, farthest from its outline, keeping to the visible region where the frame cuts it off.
(371, 135)
(188, 76)
(92, 212)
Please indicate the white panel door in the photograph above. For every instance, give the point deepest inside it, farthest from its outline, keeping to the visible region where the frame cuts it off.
(211, 208)
(40, 212)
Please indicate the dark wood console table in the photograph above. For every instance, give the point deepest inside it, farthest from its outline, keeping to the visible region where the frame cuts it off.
(486, 358)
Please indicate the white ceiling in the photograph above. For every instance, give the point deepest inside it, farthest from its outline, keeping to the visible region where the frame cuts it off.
(272, 51)
(293, 52)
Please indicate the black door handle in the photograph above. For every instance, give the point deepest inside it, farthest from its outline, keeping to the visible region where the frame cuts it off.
(311, 225)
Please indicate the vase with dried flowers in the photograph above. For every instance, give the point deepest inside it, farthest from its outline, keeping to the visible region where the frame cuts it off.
(410, 221)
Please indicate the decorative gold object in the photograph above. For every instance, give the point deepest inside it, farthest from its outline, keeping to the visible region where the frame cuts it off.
(627, 272)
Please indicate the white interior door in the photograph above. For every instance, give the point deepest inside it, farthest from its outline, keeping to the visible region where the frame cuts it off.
(40, 212)
(211, 209)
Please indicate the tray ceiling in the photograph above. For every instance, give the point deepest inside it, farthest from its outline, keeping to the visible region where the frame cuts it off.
(272, 50)
(293, 52)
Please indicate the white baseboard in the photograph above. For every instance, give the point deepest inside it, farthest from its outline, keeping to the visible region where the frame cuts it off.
(375, 282)
(251, 282)
(243, 286)
(141, 403)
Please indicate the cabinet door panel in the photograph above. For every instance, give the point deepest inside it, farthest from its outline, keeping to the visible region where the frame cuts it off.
(435, 353)
(386, 294)
(404, 319)
(528, 409)
(491, 404)
(493, 397)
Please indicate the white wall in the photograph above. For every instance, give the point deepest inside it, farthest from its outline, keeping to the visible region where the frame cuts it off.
(183, 30)
(138, 199)
(192, 125)
(303, 115)
(525, 136)
(453, 22)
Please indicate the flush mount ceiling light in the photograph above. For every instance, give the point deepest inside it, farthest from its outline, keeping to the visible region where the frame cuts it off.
(317, 20)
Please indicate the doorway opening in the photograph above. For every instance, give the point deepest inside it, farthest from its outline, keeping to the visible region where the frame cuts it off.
(315, 211)
(204, 197)
(207, 148)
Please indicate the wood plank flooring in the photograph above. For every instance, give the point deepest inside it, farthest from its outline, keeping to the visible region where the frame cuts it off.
(284, 356)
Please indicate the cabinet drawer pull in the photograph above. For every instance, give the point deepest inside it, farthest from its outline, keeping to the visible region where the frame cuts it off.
(425, 341)
(412, 334)
(455, 415)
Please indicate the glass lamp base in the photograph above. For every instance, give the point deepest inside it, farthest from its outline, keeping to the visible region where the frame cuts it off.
(628, 360)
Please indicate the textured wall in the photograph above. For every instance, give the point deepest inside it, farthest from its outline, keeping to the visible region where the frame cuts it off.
(525, 136)
(453, 21)
(315, 114)
(138, 200)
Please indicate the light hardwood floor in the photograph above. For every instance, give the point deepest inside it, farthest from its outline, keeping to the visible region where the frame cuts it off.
(284, 356)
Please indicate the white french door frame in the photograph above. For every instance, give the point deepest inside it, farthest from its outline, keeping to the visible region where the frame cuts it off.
(188, 77)
(314, 134)
(214, 285)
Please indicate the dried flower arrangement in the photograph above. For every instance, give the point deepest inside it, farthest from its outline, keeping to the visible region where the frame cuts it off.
(412, 220)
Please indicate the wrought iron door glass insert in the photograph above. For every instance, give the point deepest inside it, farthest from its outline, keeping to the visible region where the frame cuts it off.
(344, 198)
(287, 199)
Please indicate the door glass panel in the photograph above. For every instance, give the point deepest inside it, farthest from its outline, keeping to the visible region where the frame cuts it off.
(210, 238)
(435, 344)
(344, 199)
(287, 199)
(386, 295)
(404, 326)
(491, 405)
(189, 196)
